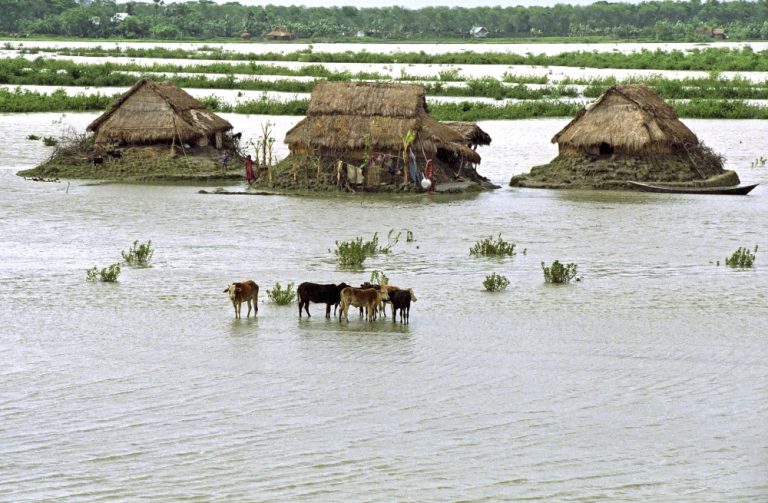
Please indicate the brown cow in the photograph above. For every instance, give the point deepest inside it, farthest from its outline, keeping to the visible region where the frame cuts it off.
(244, 291)
(369, 298)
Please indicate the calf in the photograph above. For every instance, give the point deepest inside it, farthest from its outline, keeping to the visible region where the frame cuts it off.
(401, 299)
(329, 294)
(368, 298)
(244, 291)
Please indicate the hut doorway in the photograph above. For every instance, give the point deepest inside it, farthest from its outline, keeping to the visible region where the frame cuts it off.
(606, 149)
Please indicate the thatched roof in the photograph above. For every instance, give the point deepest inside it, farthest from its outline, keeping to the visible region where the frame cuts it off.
(355, 116)
(156, 111)
(280, 33)
(632, 118)
(471, 132)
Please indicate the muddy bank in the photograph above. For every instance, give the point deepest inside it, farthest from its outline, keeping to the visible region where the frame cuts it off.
(306, 175)
(582, 172)
(137, 164)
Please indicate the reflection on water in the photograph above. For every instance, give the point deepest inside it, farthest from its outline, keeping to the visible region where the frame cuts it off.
(646, 381)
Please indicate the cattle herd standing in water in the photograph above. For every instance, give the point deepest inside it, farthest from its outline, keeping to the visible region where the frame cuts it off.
(369, 298)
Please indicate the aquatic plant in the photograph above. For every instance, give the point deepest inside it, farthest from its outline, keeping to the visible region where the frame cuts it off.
(32, 137)
(495, 282)
(107, 274)
(742, 258)
(759, 161)
(354, 253)
(409, 236)
(50, 141)
(282, 296)
(379, 278)
(489, 247)
(139, 255)
(558, 273)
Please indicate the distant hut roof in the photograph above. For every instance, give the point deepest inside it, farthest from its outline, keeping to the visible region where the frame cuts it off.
(279, 34)
(354, 116)
(471, 132)
(156, 111)
(631, 118)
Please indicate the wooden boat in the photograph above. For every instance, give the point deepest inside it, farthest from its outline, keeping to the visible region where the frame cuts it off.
(672, 189)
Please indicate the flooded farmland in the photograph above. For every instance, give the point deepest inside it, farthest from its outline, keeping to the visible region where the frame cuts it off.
(645, 381)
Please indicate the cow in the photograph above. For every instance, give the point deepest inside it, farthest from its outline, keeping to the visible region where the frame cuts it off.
(329, 294)
(369, 298)
(244, 291)
(401, 299)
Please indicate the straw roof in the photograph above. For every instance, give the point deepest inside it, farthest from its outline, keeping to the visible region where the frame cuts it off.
(471, 132)
(354, 116)
(280, 34)
(631, 118)
(155, 112)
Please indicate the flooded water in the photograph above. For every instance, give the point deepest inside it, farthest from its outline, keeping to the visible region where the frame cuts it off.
(645, 381)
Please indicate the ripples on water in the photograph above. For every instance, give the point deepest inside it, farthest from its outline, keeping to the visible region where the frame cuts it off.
(644, 382)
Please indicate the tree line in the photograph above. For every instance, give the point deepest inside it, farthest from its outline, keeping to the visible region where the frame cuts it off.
(665, 20)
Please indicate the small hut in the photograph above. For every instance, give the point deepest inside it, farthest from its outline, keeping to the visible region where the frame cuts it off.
(363, 125)
(280, 34)
(158, 112)
(628, 133)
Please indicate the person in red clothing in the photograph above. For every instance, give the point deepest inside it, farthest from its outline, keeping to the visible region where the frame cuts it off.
(429, 174)
(249, 176)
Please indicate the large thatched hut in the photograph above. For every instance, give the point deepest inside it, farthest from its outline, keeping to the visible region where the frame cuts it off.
(628, 134)
(158, 112)
(363, 126)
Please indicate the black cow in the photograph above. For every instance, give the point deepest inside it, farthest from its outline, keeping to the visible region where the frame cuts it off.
(401, 299)
(322, 294)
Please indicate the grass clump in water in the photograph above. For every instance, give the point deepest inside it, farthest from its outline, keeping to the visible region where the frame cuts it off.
(488, 247)
(139, 255)
(559, 273)
(742, 258)
(282, 296)
(353, 253)
(107, 274)
(495, 282)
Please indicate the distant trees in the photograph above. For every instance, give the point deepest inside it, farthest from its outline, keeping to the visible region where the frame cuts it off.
(661, 20)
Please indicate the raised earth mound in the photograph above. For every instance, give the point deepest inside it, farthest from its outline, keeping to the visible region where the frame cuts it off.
(139, 163)
(587, 172)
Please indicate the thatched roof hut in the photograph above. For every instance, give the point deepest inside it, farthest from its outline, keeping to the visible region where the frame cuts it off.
(280, 34)
(351, 120)
(629, 120)
(158, 112)
(473, 135)
(627, 134)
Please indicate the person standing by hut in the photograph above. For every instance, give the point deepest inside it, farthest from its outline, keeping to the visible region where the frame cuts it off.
(429, 174)
(249, 176)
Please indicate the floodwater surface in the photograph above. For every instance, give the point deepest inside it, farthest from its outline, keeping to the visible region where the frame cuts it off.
(645, 381)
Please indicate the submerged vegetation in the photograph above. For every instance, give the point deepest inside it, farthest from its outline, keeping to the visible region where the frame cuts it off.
(282, 296)
(489, 247)
(742, 258)
(353, 253)
(139, 254)
(559, 273)
(495, 282)
(106, 275)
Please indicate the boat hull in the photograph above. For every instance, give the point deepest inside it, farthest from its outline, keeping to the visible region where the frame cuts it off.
(669, 189)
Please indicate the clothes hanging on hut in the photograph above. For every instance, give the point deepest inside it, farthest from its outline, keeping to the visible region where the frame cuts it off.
(413, 169)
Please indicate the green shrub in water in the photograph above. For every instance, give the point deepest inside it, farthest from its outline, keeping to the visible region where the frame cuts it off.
(354, 253)
(741, 258)
(495, 282)
(32, 137)
(50, 141)
(107, 275)
(489, 247)
(558, 273)
(282, 296)
(139, 254)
